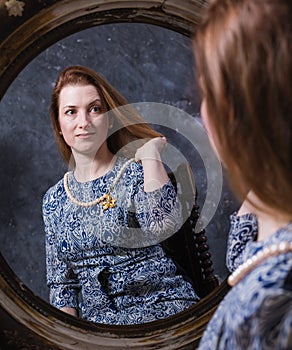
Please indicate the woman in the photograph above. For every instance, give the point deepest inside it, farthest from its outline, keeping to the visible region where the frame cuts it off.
(94, 215)
(244, 59)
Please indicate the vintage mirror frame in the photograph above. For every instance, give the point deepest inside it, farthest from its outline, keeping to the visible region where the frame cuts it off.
(27, 321)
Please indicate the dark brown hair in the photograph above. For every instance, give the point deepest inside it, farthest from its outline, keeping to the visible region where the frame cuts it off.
(243, 52)
(128, 124)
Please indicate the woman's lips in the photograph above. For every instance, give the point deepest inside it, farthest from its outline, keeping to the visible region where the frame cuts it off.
(85, 136)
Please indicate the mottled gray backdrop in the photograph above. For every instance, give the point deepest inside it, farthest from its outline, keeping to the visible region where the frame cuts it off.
(147, 64)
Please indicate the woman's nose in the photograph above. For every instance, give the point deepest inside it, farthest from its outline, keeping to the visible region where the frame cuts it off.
(83, 119)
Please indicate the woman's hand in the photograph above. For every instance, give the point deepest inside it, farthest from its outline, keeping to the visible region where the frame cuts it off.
(151, 150)
(155, 175)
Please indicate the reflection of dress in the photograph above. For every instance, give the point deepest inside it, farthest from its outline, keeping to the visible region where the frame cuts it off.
(257, 313)
(118, 285)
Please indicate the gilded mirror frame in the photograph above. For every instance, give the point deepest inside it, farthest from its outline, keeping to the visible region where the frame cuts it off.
(26, 320)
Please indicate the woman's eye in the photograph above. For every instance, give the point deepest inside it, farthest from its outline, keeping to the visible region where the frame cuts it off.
(94, 109)
(70, 112)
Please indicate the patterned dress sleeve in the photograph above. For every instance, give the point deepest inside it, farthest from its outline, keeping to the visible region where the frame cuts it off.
(63, 284)
(158, 213)
(243, 229)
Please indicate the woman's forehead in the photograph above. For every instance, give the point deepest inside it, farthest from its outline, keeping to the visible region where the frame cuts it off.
(78, 93)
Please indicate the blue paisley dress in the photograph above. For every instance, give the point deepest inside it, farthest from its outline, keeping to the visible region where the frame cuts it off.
(256, 314)
(108, 264)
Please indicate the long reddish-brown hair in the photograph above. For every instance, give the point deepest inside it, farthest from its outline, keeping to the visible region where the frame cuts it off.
(129, 125)
(243, 52)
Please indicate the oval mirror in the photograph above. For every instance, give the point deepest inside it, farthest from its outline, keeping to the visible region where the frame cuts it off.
(33, 35)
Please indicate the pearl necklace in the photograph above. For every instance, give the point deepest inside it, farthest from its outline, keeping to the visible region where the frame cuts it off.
(106, 200)
(258, 258)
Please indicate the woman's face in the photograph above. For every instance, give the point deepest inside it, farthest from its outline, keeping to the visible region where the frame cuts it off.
(83, 125)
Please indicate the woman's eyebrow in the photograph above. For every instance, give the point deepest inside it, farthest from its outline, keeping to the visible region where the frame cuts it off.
(93, 102)
(69, 106)
(90, 104)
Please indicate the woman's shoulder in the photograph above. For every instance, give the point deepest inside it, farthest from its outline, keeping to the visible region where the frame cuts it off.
(129, 163)
(129, 167)
(273, 271)
(54, 192)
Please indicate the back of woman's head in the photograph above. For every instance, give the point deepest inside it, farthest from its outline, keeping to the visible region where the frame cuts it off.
(244, 61)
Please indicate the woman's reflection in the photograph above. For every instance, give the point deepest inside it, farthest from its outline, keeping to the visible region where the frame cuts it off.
(102, 199)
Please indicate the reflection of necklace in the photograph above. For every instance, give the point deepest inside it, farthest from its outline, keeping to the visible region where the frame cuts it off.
(258, 258)
(107, 201)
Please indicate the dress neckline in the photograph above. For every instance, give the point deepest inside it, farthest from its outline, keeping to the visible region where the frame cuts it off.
(276, 237)
(113, 169)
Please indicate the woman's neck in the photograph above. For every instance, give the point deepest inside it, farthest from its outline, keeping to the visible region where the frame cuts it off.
(270, 223)
(269, 219)
(89, 168)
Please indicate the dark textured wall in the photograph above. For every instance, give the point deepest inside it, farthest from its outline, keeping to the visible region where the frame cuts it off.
(144, 62)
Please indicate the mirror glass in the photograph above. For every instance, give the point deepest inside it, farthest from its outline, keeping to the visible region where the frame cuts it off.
(146, 63)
